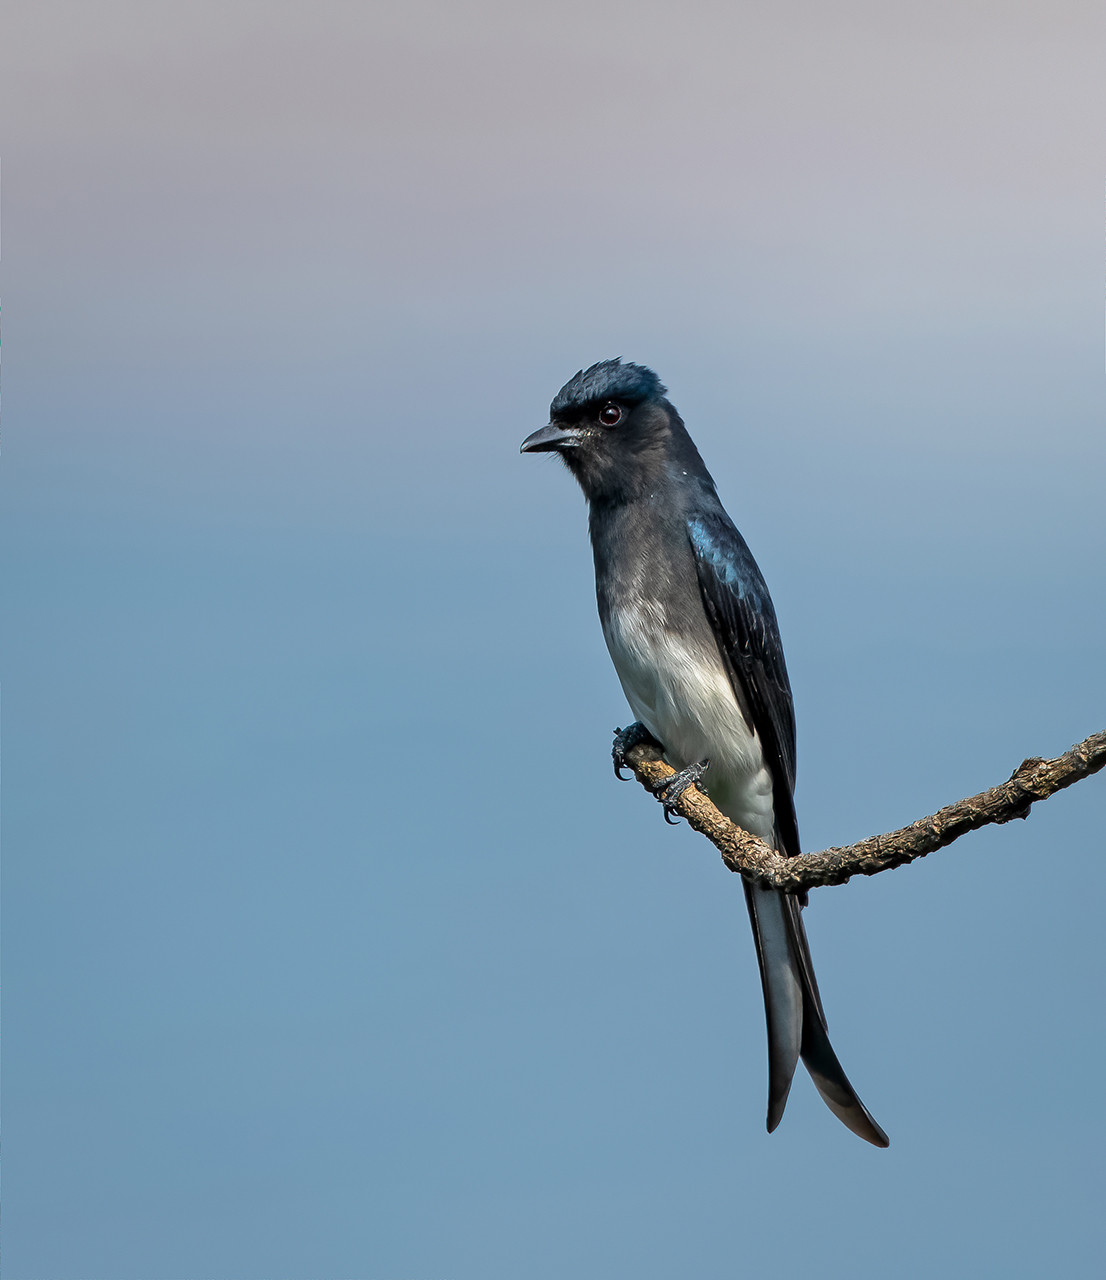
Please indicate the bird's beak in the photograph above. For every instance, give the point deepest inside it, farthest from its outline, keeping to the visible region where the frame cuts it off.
(551, 438)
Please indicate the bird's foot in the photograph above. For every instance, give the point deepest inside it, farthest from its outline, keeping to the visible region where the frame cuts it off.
(671, 789)
(624, 739)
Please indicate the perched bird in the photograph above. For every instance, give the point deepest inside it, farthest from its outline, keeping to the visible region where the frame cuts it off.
(693, 635)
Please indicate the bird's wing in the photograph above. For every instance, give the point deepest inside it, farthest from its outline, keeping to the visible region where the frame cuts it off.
(740, 610)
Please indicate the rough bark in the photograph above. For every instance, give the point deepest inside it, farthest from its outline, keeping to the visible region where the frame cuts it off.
(1034, 779)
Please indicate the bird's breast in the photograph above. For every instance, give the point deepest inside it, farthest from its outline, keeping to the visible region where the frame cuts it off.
(677, 686)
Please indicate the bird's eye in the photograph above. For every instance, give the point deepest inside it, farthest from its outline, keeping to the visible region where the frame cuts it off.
(610, 415)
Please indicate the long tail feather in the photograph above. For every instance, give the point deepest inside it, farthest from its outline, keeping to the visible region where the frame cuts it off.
(795, 1017)
(817, 1053)
(783, 993)
(833, 1084)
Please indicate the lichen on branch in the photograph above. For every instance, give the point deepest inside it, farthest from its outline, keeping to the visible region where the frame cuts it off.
(1033, 780)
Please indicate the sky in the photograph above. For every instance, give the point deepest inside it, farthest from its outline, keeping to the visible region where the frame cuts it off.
(332, 950)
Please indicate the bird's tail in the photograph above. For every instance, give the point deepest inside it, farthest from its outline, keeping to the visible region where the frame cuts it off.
(796, 1020)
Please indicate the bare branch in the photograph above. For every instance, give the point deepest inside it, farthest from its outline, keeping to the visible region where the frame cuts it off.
(1032, 780)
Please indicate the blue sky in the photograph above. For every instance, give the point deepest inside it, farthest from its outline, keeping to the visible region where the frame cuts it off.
(332, 949)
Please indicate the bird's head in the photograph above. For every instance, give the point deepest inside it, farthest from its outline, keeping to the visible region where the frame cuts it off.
(614, 429)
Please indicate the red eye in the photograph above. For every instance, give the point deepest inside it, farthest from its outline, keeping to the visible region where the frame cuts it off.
(610, 415)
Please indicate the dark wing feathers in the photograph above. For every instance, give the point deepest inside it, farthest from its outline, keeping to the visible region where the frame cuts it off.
(740, 610)
(744, 622)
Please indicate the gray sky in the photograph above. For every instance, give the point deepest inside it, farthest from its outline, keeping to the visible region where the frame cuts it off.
(332, 948)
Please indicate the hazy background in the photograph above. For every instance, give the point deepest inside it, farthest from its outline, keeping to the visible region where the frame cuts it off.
(334, 952)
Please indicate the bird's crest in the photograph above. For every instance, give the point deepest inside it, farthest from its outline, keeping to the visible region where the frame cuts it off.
(607, 380)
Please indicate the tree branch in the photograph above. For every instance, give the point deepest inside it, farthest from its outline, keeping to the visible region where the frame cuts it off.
(1034, 779)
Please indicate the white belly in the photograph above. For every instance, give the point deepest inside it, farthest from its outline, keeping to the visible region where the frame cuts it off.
(681, 692)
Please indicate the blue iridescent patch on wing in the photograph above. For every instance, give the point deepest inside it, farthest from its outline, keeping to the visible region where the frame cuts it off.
(719, 557)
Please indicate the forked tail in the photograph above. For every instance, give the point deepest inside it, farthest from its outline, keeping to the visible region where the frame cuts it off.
(796, 1020)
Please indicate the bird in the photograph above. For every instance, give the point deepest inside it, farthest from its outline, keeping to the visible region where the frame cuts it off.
(692, 632)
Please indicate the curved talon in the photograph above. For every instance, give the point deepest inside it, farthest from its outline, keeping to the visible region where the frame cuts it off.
(671, 789)
(624, 740)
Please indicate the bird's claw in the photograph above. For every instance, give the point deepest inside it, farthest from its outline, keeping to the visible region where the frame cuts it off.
(624, 739)
(671, 789)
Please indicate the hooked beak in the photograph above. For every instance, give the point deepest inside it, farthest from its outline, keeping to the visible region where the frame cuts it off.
(551, 439)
